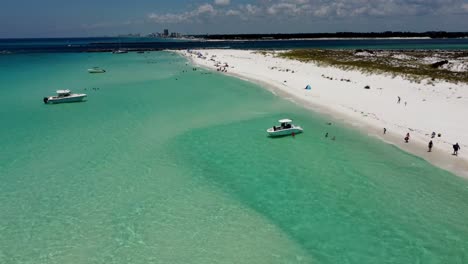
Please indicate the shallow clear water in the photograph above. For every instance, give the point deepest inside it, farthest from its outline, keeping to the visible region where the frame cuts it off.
(163, 164)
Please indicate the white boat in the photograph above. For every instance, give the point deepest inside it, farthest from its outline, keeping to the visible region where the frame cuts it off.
(285, 128)
(64, 96)
(120, 51)
(96, 70)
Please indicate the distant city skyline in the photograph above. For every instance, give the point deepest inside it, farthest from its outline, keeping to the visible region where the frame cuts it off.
(55, 18)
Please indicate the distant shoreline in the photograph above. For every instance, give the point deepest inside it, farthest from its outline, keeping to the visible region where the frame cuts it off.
(338, 35)
(292, 39)
(111, 44)
(285, 36)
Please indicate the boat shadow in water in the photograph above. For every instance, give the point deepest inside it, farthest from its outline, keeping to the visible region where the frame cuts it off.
(73, 102)
(77, 102)
(281, 136)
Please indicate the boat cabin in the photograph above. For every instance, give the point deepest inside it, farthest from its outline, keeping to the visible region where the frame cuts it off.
(284, 124)
(63, 93)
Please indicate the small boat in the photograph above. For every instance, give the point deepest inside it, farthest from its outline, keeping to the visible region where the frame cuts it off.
(120, 51)
(64, 96)
(285, 128)
(96, 70)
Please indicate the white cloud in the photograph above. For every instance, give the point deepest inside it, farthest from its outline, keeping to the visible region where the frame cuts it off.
(232, 12)
(222, 2)
(251, 9)
(314, 9)
(281, 7)
(205, 10)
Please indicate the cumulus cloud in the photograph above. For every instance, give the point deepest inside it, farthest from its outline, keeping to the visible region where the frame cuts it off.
(232, 12)
(251, 9)
(202, 11)
(318, 9)
(222, 2)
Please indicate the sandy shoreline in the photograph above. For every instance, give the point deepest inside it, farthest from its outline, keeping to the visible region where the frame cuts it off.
(440, 108)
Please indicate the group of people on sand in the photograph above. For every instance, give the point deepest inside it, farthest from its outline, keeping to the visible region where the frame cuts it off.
(456, 147)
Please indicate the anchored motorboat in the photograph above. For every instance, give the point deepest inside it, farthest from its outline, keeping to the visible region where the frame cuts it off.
(120, 51)
(64, 96)
(285, 128)
(96, 70)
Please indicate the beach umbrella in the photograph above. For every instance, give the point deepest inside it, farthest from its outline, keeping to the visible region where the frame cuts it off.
(308, 87)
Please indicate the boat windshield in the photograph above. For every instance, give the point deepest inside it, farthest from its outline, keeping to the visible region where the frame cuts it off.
(285, 125)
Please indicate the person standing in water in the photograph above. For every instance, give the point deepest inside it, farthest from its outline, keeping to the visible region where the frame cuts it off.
(326, 135)
(430, 146)
(456, 148)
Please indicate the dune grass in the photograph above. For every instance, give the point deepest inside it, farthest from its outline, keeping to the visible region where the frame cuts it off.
(408, 64)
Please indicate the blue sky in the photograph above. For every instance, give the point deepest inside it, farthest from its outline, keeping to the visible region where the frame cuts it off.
(61, 18)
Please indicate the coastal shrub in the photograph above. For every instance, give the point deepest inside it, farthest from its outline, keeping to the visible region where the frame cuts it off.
(409, 64)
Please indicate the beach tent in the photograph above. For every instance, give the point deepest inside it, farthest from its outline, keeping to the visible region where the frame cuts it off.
(308, 87)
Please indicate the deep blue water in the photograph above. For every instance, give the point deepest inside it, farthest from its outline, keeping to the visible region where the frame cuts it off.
(90, 44)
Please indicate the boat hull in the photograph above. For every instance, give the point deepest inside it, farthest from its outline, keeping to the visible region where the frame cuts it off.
(68, 99)
(96, 71)
(284, 132)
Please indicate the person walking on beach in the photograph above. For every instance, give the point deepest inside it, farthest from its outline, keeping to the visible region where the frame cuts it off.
(430, 146)
(407, 138)
(456, 148)
(399, 99)
(384, 130)
(433, 135)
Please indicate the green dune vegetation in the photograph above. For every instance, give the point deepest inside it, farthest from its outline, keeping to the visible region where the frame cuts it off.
(415, 65)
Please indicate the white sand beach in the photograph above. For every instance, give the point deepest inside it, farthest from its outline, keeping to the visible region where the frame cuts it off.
(424, 108)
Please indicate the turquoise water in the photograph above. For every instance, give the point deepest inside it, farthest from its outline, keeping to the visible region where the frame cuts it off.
(163, 164)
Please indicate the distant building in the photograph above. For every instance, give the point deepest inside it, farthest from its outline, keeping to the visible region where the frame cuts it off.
(175, 35)
(166, 33)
